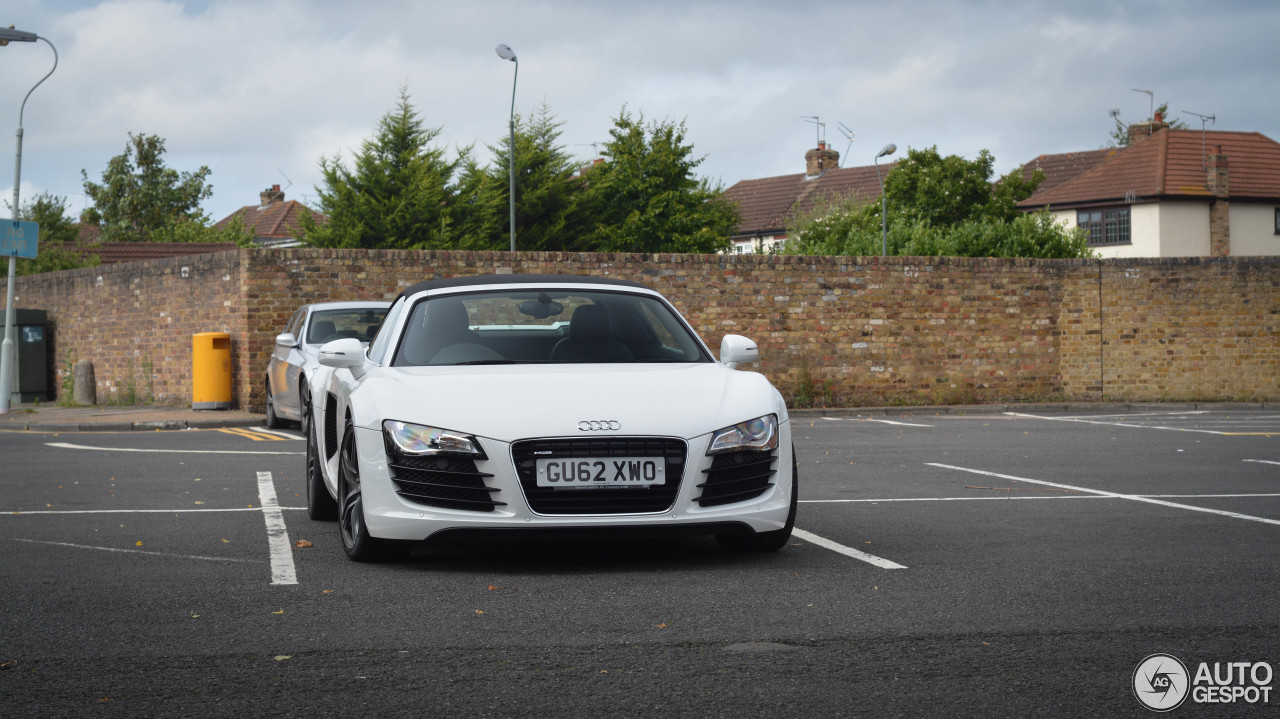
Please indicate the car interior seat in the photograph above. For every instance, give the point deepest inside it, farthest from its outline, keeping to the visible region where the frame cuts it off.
(590, 339)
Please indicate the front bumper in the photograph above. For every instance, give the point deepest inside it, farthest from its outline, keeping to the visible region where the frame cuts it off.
(390, 516)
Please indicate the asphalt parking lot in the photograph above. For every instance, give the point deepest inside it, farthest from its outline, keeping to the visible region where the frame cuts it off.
(1002, 564)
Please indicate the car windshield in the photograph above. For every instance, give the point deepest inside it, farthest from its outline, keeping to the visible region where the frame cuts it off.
(545, 326)
(358, 322)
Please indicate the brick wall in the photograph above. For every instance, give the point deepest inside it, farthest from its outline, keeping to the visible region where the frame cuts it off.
(135, 320)
(832, 330)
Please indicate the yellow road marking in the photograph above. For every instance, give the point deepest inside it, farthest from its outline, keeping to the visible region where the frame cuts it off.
(255, 436)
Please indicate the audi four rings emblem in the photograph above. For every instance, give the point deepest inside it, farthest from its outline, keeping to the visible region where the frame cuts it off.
(598, 425)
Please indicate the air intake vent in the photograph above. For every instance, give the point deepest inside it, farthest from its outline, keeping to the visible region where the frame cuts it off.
(737, 477)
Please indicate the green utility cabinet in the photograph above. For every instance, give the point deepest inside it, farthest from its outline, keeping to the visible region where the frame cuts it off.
(31, 336)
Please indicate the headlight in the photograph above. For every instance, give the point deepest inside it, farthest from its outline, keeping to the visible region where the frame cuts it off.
(419, 440)
(760, 434)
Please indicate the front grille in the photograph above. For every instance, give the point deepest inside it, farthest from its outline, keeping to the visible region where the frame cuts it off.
(737, 477)
(442, 481)
(599, 500)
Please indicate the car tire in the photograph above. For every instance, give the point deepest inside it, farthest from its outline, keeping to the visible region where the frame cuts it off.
(273, 420)
(767, 541)
(356, 541)
(320, 505)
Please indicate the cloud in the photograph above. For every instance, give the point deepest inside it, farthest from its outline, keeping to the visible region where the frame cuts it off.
(258, 91)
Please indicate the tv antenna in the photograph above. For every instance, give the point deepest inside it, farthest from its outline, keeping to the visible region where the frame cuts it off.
(820, 127)
(1151, 102)
(844, 130)
(286, 179)
(1211, 118)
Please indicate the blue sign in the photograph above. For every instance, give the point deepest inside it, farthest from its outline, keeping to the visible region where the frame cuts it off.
(18, 238)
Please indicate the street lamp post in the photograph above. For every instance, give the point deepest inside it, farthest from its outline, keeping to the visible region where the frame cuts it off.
(884, 218)
(506, 53)
(8, 35)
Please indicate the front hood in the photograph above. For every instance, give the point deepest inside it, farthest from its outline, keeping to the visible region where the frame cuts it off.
(511, 402)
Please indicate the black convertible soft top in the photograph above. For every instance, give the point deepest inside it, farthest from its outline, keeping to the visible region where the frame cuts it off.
(515, 279)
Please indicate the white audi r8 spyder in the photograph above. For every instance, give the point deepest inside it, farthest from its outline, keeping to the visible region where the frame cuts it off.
(542, 404)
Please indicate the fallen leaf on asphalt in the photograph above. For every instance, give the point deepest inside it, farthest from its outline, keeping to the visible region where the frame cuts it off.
(195, 616)
(302, 544)
(198, 502)
(9, 664)
(661, 626)
(986, 644)
(139, 544)
(479, 611)
(493, 587)
(327, 591)
(279, 612)
(283, 657)
(226, 541)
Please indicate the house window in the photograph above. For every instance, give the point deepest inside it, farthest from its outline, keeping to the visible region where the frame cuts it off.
(1108, 225)
(1278, 220)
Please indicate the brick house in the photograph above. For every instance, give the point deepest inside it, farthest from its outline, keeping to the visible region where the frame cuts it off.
(274, 221)
(1170, 193)
(767, 204)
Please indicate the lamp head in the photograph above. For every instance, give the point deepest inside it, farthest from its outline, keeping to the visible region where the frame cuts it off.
(505, 52)
(8, 34)
(888, 150)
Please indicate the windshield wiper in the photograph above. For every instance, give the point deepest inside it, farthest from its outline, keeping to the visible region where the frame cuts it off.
(486, 361)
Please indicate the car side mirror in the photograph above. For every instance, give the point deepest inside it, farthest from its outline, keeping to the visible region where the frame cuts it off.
(344, 353)
(286, 340)
(736, 349)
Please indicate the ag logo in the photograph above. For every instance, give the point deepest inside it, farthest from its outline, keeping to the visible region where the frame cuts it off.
(1161, 682)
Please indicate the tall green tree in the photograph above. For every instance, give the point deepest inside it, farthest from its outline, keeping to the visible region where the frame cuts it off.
(644, 196)
(56, 245)
(139, 195)
(397, 194)
(549, 211)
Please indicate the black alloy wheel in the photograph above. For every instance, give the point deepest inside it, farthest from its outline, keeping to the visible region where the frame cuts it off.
(356, 541)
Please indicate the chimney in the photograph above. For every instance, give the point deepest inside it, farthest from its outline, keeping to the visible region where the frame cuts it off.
(820, 160)
(1219, 207)
(1140, 131)
(270, 195)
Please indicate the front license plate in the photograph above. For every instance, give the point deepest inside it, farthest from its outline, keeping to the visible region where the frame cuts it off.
(610, 472)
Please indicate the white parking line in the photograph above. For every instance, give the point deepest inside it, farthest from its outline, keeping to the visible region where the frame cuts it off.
(66, 445)
(868, 419)
(184, 510)
(1260, 461)
(846, 551)
(1054, 496)
(282, 571)
(1113, 424)
(1142, 426)
(131, 551)
(1104, 493)
(276, 432)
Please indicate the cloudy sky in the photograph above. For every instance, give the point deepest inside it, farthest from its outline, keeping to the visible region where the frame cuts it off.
(259, 90)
